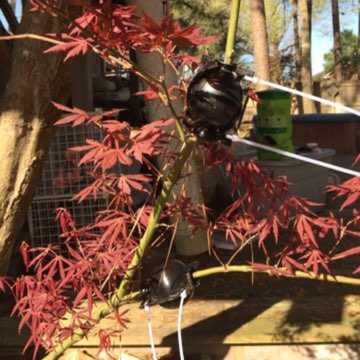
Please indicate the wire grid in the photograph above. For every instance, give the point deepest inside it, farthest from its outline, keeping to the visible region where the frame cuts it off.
(44, 228)
(61, 176)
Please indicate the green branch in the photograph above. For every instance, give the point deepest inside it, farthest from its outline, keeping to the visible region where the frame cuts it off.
(231, 36)
(298, 274)
(120, 295)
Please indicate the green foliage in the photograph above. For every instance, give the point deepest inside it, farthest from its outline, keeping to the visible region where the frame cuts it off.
(213, 17)
(348, 55)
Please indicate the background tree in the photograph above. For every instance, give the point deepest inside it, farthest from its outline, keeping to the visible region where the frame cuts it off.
(26, 117)
(210, 15)
(261, 42)
(305, 13)
(278, 17)
(336, 39)
(348, 56)
(297, 53)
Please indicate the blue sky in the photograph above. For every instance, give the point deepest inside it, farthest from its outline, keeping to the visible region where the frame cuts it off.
(322, 36)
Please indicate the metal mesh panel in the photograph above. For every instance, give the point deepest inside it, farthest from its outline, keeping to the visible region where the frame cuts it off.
(61, 176)
(43, 227)
(60, 180)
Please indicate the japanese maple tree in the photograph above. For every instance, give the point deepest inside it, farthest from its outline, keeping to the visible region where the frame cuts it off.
(56, 298)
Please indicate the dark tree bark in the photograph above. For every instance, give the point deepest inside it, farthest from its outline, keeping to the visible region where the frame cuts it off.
(305, 36)
(275, 62)
(5, 60)
(337, 43)
(261, 42)
(297, 53)
(26, 118)
(358, 48)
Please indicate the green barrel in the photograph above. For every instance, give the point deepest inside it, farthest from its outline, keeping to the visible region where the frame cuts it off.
(273, 123)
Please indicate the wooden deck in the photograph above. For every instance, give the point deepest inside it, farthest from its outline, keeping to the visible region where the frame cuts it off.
(231, 319)
(224, 328)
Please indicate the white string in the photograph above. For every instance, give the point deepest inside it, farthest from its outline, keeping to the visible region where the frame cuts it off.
(182, 299)
(294, 156)
(256, 80)
(147, 310)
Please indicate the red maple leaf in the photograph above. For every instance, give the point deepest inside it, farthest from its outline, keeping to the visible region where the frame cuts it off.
(168, 30)
(74, 48)
(126, 182)
(77, 116)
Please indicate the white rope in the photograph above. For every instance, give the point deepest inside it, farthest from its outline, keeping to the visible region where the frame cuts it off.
(147, 310)
(256, 80)
(236, 138)
(181, 350)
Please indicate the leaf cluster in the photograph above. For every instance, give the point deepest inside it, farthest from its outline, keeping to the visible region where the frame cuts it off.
(349, 59)
(57, 298)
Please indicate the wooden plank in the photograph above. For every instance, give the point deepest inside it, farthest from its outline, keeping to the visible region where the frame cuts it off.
(234, 322)
(216, 325)
(341, 136)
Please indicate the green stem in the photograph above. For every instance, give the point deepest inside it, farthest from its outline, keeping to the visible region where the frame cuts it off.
(120, 295)
(168, 183)
(298, 274)
(169, 104)
(233, 21)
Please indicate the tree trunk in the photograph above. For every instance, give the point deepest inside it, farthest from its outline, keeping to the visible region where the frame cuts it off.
(186, 242)
(275, 62)
(297, 54)
(305, 36)
(358, 44)
(5, 60)
(26, 125)
(261, 43)
(337, 44)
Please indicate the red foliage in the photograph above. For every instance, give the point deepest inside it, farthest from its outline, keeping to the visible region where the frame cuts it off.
(287, 232)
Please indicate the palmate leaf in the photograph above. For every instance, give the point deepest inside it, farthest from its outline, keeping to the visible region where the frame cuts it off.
(291, 264)
(168, 30)
(76, 116)
(150, 93)
(127, 182)
(99, 117)
(349, 252)
(315, 258)
(73, 48)
(350, 189)
(150, 139)
(113, 226)
(183, 60)
(304, 228)
(350, 199)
